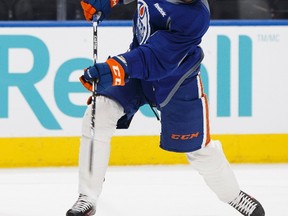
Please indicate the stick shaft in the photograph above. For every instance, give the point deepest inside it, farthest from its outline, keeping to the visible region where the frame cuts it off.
(94, 83)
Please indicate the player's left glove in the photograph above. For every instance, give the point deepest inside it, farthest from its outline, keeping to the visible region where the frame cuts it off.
(110, 73)
(90, 7)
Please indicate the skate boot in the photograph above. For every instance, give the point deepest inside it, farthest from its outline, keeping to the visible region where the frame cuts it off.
(247, 205)
(82, 207)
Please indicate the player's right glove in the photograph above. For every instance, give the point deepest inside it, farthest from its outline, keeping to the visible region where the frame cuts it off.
(90, 7)
(110, 73)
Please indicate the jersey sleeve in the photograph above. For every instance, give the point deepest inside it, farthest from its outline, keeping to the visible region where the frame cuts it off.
(160, 56)
(174, 47)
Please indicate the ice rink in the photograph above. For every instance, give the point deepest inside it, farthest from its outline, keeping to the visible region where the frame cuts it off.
(139, 190)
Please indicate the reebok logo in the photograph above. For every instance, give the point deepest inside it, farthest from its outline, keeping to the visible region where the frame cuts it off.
(161, 11)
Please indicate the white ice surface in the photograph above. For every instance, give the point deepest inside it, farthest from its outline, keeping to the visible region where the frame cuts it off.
(139, 191)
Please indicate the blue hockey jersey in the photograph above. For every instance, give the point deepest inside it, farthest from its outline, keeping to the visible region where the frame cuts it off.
(165, 48)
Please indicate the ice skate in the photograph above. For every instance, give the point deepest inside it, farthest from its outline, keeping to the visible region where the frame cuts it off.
(247, 205)
(82, 207)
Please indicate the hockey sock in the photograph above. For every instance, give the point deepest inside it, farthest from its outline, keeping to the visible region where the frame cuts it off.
(213, 166)
(107, 114)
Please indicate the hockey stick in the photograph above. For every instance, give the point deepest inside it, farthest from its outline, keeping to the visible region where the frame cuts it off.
(94, 89)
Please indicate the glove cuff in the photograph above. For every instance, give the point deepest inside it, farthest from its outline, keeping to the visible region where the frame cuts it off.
(85, 83)
(117, 70)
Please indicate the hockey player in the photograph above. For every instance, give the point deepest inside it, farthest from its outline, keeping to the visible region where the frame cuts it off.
(162, 69)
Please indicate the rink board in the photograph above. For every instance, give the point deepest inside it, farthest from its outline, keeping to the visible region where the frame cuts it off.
(137, 150)
(244, 73)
